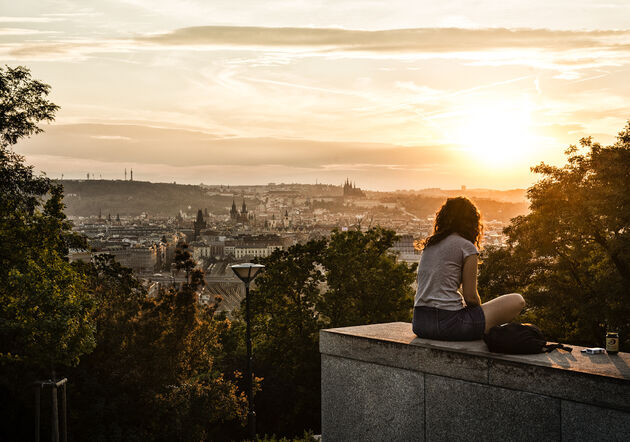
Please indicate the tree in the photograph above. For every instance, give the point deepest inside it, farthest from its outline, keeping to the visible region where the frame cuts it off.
(23, 105)
(140, 368)
(45, 309)
(154, 374)
(570, 256)
(286, 322)
(349, 279)
(366, 284)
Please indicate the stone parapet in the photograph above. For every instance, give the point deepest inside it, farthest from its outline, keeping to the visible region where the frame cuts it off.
(381, 382)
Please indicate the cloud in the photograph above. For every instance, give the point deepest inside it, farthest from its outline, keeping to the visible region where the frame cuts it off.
(111, 137)
(160, 154)
(421, 40)
(53, 50)
(28, 19)
(21, 31)
(565, 51)
(186, 148)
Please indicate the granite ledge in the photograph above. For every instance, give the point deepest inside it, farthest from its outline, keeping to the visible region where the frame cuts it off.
(400, 334)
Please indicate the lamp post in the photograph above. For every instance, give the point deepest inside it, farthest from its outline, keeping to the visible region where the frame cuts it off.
(247, 272)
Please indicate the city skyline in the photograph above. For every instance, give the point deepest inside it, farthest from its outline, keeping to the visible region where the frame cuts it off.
(402, 95)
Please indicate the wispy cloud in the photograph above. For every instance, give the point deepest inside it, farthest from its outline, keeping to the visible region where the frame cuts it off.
(111, 137)
(6, 19)
(421, 40)
(308, 93)
(22, 31)
(154, 145)
(565, 51)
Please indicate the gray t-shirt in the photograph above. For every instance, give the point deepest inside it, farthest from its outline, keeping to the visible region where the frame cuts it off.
(440, 273)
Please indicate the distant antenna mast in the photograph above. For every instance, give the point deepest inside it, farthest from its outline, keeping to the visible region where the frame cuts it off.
(131, 174)
(125, 174)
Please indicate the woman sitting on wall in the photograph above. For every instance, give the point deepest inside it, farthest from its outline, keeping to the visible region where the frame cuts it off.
(447, 305)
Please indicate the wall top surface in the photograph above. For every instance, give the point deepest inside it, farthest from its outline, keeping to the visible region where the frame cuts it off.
(354, 343)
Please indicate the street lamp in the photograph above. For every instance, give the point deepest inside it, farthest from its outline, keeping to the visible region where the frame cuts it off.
(247, 272)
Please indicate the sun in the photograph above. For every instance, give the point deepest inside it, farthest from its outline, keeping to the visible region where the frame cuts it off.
(498, 134)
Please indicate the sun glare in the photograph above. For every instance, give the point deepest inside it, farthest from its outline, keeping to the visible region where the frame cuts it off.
(498, 135)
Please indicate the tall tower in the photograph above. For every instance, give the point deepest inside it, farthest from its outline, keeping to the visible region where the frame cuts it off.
(198, 225)
(125, 174)
(233, 211)
(131, 175)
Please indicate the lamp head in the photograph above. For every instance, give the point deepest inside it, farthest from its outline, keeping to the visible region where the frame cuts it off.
(246, 272)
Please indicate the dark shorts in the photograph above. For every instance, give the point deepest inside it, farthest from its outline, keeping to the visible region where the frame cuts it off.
(467, 324)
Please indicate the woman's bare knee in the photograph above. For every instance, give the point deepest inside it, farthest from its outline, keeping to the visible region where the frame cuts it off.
(517, 300)
(502, 309)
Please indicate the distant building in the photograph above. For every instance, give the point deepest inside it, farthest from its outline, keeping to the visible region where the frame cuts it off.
(139, 259)
(239, 217)
(255, 251)
(259, 246)
(350, 190)
(214, 249)
(198, 224)
(405, 249)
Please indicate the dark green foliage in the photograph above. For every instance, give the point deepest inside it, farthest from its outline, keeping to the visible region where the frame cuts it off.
(366, 285)
(146, 367)
(23, 105)
(308, 436)
(285, 331)
(153, 374)
(44, 306)
(347, 280)
(45, 309)
(571, 255)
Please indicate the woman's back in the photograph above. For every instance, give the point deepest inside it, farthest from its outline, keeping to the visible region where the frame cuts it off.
(440, 273)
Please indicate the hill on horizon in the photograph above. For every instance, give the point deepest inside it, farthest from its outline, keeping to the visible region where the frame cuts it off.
(132, 198)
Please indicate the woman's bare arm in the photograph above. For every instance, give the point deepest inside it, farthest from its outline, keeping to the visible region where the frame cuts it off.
(469, 281)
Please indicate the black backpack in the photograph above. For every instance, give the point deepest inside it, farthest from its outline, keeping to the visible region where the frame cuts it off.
(516, 338)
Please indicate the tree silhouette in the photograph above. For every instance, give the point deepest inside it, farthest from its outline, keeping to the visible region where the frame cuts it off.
(45, 308)
(571, 254)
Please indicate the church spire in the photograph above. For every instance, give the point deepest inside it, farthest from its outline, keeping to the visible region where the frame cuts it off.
(233, 211)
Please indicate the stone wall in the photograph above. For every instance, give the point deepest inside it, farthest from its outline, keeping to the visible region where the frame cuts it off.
(382, 383)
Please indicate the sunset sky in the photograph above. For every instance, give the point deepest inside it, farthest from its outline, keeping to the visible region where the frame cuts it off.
(392, 94)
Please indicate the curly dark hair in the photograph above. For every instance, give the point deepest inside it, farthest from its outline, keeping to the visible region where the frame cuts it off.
(457, 215)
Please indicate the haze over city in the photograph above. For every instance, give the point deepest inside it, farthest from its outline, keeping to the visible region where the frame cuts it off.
(396, 95)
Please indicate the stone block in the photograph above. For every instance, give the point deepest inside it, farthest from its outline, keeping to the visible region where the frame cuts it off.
(582, 422)
(565, 384)
(425, 358)
(381, 382)
(461, 410)
(370, 402)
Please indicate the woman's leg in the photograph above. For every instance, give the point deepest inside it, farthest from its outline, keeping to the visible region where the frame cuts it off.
(502, 309)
